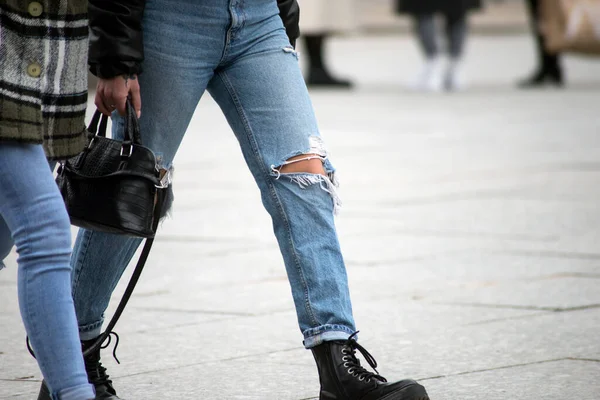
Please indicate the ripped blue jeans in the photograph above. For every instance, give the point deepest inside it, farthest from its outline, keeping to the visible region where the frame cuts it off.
(239, 52)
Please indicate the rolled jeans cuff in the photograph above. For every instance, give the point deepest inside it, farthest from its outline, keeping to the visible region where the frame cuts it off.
(325, 333)
(80, 392)
(90, 331)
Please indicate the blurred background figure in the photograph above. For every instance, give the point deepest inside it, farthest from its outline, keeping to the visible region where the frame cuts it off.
(549, 70)
(432, 76)
(319, 20)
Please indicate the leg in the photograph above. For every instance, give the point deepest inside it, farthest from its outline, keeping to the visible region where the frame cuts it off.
(548, 64)
(266, 103)
(176, 72)
(429, 78)
(34, 211)
(263, 96)
(426, 33)
(179, 62)
(318, 73)
(456, 33)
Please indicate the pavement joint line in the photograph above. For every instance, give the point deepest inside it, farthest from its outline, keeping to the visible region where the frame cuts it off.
(24, 379)
(206, 362)
(494, 320)
(496, 368)
(518, 307)
(583, 359)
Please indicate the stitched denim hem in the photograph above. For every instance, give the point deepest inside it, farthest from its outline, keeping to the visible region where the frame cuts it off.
(90, 331)
(325, 333)
(81, 392)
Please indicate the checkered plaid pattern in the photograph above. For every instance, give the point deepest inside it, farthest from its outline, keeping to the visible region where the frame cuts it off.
(43, 73)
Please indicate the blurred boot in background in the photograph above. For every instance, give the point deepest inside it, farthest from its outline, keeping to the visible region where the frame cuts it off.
(319, 20)
(548, 69)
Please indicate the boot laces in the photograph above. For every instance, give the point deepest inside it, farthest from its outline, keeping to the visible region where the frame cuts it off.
(96, 371)
(353, 364)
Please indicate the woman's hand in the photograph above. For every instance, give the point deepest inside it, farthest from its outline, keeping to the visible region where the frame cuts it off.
(111, 94)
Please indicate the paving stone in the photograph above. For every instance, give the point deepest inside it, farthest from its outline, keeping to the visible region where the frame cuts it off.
(556, 380)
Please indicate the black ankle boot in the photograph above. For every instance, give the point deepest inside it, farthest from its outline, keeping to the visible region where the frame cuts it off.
(544, 76)
(343, 378)
(96, 373)
(322, 77)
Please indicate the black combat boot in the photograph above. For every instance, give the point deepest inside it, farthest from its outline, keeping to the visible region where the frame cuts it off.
(343, 378)
(96, 373)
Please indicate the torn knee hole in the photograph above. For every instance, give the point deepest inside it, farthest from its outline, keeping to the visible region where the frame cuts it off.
(303, 163)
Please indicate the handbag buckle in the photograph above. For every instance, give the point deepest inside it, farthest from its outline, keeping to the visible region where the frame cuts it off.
(123, 152)
(165, 181)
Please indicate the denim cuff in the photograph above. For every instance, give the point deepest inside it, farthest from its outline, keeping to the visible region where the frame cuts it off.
(90, 331)
(325, 333)
(81, 392)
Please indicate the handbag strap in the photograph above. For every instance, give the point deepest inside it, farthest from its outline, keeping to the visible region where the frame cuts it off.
(132, 132)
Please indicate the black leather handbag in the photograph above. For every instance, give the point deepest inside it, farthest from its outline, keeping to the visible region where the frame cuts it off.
(112, 186)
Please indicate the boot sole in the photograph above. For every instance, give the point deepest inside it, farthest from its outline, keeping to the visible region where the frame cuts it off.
(410, 392)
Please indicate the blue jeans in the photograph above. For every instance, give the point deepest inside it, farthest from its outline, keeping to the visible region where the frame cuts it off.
(32, 208)
(239, 52)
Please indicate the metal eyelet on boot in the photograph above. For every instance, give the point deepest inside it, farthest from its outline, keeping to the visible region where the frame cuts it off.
(346, 364)
(350, 371)
(345, 358)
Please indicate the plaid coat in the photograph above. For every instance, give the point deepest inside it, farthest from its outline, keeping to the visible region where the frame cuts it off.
(43, 76)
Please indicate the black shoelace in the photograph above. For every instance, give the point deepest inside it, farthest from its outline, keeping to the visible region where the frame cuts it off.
(353, 363)
(104, 346)
(95, 370)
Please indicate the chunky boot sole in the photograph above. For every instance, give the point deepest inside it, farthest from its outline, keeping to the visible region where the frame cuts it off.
(413, 391)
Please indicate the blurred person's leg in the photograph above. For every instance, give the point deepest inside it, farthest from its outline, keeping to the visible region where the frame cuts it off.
(456, 33)
(548, 69)
(318, 73)
(33, 210)
(319, 20)
(429, 78)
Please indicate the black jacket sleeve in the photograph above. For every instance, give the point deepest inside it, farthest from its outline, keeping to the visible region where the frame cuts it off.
(290, 15)
(116, 39)
(116, 43)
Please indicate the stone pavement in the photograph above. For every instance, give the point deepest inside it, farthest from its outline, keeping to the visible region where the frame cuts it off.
(470, 230)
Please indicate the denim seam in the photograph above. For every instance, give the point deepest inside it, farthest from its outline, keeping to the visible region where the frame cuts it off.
(273, 192)
(86, 243)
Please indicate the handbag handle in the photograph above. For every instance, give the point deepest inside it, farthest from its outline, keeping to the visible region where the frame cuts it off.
(132, 125)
